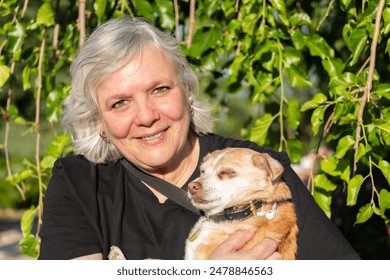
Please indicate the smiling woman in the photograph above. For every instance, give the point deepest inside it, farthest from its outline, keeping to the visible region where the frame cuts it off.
(133, 97)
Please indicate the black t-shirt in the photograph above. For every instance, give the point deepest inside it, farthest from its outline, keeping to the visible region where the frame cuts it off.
(90, 207)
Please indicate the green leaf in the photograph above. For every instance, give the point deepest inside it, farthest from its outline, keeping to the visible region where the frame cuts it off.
(294, 149)
(334, 66)
(4, 74)
(357, 42)
(322, 181)
(353, 189)
(260, 129)
(27, 221)
(362, 150)
(204, 40)
(165, 11)
(365, 213)
(20, 176)
(384, 202)
(293, 114)
(296, 77)
(300, 19)
(319, 47)
(344, 145)
(100, 9)
(57, 145)
(383, 90)
(298, 40)
(30, 246)
(317, 118)
(313, 103)
(384, 166)
(336, 167)
(45, 15)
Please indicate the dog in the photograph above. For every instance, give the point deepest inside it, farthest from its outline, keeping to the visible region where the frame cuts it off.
(241, 189)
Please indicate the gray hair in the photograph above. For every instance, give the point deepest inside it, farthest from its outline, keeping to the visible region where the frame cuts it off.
(112, 45)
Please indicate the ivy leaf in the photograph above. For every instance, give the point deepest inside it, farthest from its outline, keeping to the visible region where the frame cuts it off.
(313, 103)
(353, 189)
(260, 129)
(344, 145)
(365, 213)
(4, 74)
(45, 15)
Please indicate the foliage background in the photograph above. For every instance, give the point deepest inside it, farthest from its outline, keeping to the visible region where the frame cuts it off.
(294, 75)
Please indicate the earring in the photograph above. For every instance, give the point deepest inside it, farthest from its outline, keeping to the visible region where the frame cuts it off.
(191, 103)
(104, 137)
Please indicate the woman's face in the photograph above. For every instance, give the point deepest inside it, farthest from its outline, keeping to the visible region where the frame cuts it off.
(144, 113)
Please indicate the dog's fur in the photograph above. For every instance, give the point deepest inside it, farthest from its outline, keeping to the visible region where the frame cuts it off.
(234, 177)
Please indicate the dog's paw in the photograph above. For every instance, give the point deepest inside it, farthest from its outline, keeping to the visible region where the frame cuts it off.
(116, 254)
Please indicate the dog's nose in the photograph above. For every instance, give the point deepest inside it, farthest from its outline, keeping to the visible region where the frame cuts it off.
(194, 187)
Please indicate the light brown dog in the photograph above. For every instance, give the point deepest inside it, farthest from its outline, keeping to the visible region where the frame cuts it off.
(240, 189)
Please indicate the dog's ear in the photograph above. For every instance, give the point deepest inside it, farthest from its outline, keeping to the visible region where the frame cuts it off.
(271, 165)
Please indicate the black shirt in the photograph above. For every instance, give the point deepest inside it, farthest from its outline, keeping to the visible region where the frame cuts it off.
(90, 207)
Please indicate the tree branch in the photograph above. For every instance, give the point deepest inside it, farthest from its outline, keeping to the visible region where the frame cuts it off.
(81, 22)
(192, 23)
(326, 15)
(177, 18)
(367, 89)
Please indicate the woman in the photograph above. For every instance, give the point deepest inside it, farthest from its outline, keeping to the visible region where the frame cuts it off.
(133, 96)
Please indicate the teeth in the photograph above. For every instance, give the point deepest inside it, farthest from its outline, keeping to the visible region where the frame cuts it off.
(149, 138)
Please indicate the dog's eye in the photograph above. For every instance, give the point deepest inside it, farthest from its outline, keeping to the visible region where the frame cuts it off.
(226, 173)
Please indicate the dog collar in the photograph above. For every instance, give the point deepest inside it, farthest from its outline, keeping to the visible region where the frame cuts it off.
(243, 213)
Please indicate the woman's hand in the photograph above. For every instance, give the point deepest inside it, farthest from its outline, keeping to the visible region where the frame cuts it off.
(229, 249)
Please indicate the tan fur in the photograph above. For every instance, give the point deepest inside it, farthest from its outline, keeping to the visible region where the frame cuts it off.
(243, 175)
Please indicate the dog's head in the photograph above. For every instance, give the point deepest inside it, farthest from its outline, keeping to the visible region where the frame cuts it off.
(234, 176)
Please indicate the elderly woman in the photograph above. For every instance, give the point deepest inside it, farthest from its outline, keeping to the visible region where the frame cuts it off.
(133, 97)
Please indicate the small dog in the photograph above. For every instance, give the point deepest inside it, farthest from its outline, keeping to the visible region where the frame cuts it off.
(240, 189)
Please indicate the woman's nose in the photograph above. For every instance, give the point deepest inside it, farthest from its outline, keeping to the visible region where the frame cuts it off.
(146, 113)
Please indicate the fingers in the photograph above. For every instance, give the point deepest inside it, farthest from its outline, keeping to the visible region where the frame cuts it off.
(264, 250)
(230, 248)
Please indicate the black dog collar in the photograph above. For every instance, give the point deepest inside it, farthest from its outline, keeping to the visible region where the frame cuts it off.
(243, 213)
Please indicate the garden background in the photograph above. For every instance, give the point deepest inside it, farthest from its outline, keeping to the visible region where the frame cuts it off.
(307, 77)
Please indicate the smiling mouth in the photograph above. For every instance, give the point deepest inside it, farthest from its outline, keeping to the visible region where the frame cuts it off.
(152, 137)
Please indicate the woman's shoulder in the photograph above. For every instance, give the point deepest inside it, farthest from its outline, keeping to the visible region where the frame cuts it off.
(212, 142)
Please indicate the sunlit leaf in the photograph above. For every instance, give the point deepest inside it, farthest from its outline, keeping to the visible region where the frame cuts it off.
(260, 129)
(45, 14)
(343, 145)
(365, 213)
(313, 103)
(353, 189)
(384, 166)
(27, 220)
(293, 114)
(317, 119)
(4, 74)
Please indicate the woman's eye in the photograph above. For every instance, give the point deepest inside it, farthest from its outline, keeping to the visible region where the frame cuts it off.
(160, 90)
(120, 103)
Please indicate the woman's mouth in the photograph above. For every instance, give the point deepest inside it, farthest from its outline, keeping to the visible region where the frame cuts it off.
(152, 137)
